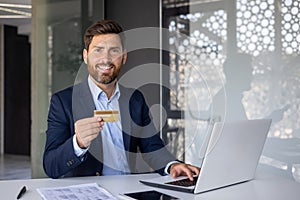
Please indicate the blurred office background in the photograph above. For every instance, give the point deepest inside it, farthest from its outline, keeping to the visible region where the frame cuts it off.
(228, 60)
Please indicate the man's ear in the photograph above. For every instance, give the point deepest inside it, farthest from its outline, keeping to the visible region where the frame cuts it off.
(124, 57)
(84, 54)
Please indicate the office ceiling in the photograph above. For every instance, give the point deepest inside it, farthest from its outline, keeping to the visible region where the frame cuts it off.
(16, 13)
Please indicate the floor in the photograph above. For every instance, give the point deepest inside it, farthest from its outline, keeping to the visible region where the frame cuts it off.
(14, 167)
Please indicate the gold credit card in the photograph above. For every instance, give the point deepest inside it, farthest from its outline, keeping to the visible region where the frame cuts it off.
(107, 115)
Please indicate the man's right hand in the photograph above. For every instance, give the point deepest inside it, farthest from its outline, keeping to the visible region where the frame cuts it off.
(87, 130)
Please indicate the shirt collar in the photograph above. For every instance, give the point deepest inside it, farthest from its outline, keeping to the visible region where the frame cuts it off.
(96, 91)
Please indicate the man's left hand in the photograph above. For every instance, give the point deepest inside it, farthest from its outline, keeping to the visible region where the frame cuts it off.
(182, 169)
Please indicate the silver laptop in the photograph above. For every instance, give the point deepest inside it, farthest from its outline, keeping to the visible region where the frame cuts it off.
(231, 157)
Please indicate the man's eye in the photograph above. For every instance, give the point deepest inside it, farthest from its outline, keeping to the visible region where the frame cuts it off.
(116, 51)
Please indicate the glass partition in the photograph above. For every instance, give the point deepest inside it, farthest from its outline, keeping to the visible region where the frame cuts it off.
(57, 46)
(236, 59)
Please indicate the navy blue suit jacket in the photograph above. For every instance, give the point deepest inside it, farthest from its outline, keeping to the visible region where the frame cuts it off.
(74, 103)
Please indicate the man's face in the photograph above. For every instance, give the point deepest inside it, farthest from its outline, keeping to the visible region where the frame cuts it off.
(105, 58)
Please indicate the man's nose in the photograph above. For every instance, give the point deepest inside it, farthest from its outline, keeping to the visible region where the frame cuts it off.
(106, 56)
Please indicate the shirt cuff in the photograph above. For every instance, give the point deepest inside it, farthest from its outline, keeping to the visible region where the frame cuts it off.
(77, 150)
(168, 166)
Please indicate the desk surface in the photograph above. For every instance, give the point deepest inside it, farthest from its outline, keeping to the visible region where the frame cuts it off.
(261, 188)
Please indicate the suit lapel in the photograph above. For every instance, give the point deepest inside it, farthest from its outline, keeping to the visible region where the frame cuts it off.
(82, 102)
(124, 104)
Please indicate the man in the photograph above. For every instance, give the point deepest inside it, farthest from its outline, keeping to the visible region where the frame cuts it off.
(81, 144)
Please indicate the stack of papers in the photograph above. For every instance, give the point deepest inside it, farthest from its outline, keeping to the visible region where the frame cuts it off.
(90, 191)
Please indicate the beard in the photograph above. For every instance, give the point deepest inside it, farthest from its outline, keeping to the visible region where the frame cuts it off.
(104, 78)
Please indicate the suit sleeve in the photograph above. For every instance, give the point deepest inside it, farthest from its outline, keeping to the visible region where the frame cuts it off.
(59, 157)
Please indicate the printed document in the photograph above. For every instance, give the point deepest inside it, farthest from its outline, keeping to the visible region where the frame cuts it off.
(90, 191)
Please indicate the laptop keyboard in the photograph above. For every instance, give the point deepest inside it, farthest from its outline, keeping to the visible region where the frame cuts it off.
(184, 182)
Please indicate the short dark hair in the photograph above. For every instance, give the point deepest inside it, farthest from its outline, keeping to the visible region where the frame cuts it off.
(102, 27)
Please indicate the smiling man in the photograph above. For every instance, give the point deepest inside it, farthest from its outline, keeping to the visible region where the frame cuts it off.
(81, 144)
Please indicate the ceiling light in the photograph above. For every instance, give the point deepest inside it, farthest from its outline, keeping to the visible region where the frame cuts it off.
(16, 11)
(15, 5)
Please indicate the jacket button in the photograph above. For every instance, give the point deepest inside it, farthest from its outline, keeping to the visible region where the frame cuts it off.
(97, 174)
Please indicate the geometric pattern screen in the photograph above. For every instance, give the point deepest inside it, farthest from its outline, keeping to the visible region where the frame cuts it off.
(271, 36)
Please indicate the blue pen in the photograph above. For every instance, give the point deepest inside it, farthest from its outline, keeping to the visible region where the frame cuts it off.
(22, 192)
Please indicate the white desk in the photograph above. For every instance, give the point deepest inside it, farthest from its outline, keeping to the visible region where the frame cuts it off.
(262, 188)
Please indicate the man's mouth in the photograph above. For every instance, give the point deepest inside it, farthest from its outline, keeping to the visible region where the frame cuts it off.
(104, 68)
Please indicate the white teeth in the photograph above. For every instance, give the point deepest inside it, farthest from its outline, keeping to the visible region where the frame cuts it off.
(104, 67)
